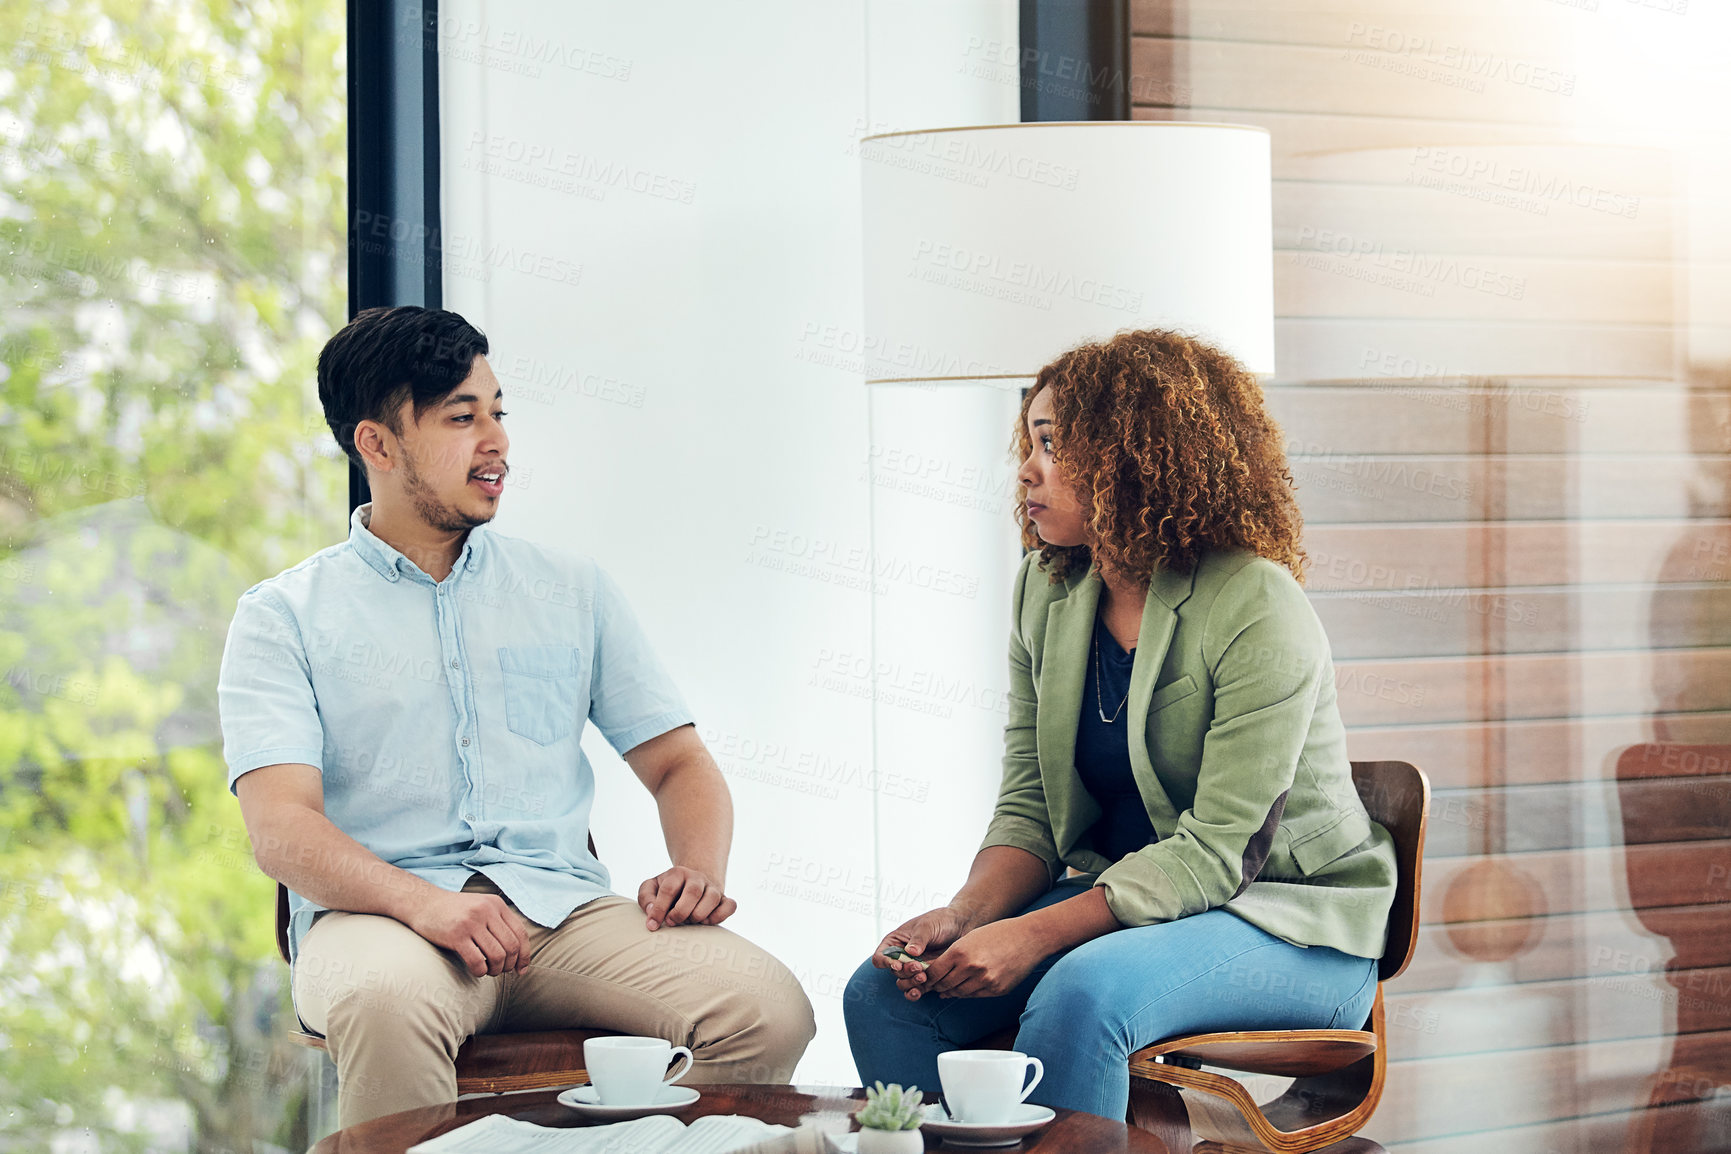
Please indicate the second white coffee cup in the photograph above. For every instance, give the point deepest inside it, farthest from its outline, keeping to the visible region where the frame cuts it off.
(630, 1071)
(986, 1085)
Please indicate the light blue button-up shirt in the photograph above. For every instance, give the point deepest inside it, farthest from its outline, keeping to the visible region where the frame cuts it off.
(445, 716)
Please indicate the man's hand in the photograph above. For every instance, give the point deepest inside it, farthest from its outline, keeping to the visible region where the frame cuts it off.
(697, 820)
(682, 896)
(982, 963)
(482, 929)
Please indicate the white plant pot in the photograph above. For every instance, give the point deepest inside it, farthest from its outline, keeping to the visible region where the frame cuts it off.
(890, 1141)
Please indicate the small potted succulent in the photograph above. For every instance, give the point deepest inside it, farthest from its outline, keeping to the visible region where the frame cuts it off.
(890, 1120)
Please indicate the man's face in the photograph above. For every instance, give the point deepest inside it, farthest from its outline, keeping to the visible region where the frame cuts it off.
(453, 466)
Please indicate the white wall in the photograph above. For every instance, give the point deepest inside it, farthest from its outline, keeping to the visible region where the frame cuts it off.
(652, 210)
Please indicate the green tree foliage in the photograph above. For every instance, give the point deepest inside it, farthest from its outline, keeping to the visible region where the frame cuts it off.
(171, 259)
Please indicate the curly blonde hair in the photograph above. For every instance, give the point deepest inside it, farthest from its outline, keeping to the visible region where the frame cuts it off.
(1168, 446)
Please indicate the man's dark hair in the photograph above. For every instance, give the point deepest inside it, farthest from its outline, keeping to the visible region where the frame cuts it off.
(386, 356)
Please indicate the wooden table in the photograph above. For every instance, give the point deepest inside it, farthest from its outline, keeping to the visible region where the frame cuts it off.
(1070, 1132)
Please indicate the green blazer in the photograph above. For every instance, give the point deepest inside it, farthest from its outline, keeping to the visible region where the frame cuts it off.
(1240, 756)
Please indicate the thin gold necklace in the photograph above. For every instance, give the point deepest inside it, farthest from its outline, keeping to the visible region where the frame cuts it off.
(1099, 676)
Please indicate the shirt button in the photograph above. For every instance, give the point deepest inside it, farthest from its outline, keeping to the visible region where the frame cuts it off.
(453, 663)
(465, 743)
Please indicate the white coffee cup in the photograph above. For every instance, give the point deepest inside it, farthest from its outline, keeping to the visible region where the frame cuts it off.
(986, 1085)
(630, 1071)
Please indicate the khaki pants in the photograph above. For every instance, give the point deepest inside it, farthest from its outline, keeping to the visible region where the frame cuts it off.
(394, 1008)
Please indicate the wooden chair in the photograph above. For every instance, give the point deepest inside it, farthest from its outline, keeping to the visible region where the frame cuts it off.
(1685, 1107)
(486, 1063)
(1339, 1073)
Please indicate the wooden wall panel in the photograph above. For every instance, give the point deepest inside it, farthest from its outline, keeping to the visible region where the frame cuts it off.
(1576, 945)
(1483, 753)
(1533, 686)
(1361, 274)
(1704, 1124)
(1573, 814)
(1457, 555)
(1517, 494)
(1608, 1005)
(1428, 1098)
(1417, 350)
(1336, 482)
(1354, 68)
(1483, 25)
(1433, 209)
(1593, 880)
(1452, 622)
(1309, 145)
(1459, 415)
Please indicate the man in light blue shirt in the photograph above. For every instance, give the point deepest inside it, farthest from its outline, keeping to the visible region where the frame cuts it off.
(401, 717)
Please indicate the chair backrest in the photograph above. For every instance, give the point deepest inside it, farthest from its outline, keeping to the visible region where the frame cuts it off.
(282, 909)
(1696, 781)
(1397, 796)
(282, 921)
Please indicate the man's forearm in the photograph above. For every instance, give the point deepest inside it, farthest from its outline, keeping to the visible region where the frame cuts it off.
(306, 852)
(697, 816)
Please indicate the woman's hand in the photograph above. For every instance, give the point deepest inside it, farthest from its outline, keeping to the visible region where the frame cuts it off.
(931, 932)
(983, 963)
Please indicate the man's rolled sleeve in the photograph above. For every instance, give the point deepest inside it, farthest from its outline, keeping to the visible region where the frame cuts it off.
(631, 696)
(265, 698)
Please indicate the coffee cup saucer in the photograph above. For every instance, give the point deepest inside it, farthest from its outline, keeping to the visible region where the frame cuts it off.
(587, 1102)
(1024, 1119)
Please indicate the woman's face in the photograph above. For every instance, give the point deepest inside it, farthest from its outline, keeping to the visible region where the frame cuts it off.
(1052, 504)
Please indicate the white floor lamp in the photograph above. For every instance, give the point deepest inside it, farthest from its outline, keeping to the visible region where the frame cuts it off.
(989, 250)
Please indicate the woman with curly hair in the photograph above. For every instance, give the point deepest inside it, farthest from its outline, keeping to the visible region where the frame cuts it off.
(1177, 846)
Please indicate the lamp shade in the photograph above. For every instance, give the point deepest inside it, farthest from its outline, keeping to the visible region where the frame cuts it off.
(990, 250)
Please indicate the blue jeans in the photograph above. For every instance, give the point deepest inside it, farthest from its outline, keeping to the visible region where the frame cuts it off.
(1084, 1011)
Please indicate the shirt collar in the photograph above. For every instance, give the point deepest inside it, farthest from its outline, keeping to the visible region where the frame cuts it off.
(392, 565)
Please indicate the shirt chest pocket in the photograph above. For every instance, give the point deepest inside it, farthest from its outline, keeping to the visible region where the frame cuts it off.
(541, 687)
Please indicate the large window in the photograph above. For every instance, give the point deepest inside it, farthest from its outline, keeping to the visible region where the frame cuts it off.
(171, 219)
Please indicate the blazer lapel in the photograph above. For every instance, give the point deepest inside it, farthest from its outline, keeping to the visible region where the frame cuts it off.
(1063, 674)
(1166, 592)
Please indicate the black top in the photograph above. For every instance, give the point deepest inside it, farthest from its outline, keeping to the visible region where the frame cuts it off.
(1103, 749)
